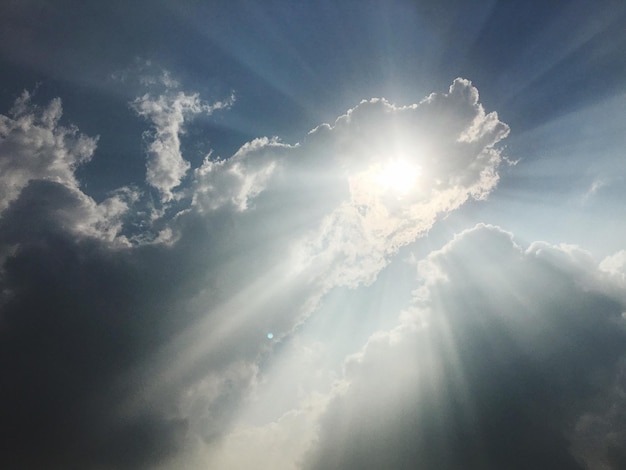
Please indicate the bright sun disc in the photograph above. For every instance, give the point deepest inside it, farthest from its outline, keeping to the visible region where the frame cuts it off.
(398, 175)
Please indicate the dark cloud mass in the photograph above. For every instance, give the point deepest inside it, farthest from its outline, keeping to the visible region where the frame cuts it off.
(73, 318)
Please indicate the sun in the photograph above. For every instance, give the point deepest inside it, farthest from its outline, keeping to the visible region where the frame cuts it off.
(398, 176)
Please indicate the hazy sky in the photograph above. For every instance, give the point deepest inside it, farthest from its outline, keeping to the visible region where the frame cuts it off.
(312, 235)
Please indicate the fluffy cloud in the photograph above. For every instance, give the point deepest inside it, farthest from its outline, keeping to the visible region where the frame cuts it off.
(499, 356)
(166, 166)
(344, 184)
(106, 344)
(38, 186)
(35, 146)
(235, 182)
(615, 265)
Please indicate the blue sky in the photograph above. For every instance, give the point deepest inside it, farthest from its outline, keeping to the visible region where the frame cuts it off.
(313, 235)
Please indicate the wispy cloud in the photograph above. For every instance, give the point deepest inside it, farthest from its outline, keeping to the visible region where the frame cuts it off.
(596, 186)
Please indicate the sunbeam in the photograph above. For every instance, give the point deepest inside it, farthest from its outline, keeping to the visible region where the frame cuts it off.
(313, 235)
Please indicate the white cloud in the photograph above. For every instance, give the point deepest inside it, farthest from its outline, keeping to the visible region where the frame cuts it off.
(450, 142)
(238, 180)
(331, 178)
(615, 264)
(166, 166)
(35, 146)
(38, 160)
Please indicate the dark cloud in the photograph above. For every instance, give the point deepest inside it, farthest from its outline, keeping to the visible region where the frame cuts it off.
(74, 318)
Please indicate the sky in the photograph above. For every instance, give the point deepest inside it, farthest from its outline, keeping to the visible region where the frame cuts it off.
(312, 235)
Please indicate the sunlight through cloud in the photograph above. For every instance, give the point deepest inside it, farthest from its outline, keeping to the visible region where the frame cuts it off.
(398, 176)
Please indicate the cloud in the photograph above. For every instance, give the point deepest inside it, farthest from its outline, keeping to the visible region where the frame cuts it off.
(596, 186)
(35, 146)
(113, 335)
(38, 186)
(235, 182)
(600, 433)
(615, 264)
(353, 223)
(500, 354)
(167, 112)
